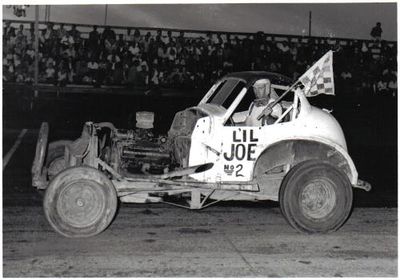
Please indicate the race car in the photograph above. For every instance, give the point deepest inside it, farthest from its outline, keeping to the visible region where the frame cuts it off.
(209, 155)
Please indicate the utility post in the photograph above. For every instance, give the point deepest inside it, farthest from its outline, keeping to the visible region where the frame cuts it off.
(309, 23)
(36, 51)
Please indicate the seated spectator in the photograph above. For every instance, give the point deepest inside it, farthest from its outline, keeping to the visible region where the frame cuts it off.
(67, 40)
(102, 71)
(171, 53)
(134, 49)
(382, 87)
(392, 85)
(29, 76)
(110, 45)
(112, 59)
(120, 43)
(29, 54)
(93, 67)
(69, 52)
(50, 74)
(62, 76)
(81, 70)
(132, 78)
(118, 74)
(154, 75)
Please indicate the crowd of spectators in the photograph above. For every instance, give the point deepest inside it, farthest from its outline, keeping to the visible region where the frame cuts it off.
(137, 58)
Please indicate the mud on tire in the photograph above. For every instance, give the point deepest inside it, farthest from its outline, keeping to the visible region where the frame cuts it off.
(80, 202)
(316, 197)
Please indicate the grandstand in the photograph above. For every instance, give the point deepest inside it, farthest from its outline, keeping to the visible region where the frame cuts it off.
(73, 58)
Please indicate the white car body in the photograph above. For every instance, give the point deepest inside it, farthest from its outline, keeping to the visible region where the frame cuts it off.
(235, 150)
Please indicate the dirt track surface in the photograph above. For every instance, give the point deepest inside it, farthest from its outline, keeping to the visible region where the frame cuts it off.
(161, 241)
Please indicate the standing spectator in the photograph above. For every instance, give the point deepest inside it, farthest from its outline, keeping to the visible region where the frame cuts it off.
(6, 28)
(75, 33)
(11, 36)
(136, 36)
(108, 33)
(376, 31)
(120, 44)
(129, 35)
(49, 34)
(145, 42)
(61, 32)
(94, 39)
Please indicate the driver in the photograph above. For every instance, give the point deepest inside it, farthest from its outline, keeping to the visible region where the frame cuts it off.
(265, 95)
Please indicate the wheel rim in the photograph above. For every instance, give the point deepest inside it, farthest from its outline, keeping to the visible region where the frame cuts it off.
(55, 167)
(318, 199)
(81, 203)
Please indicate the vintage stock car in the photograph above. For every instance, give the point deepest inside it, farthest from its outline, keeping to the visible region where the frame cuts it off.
(209, 155)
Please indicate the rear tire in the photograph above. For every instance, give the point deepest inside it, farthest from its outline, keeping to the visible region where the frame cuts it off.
(316, 197)
(80, 202)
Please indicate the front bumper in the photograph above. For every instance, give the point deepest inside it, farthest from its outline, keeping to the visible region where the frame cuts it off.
(39, 179)
(363, 185)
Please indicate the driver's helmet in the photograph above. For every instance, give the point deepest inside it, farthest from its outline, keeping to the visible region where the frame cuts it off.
(260, 89)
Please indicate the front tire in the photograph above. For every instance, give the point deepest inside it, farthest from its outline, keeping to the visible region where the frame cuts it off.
(80, 202)
(316, 197)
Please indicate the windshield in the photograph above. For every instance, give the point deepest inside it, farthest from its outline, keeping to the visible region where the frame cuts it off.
(226, 92)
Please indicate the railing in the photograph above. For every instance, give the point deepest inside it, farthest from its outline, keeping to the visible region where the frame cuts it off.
(86, 28)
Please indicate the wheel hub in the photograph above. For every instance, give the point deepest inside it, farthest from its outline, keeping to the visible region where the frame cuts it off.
(81, 203)
(318, 199)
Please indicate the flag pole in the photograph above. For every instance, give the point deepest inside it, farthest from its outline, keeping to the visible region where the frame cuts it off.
(271, 105)
(284, 94)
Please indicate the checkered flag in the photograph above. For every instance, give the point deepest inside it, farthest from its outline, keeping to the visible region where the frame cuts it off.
(319, 78)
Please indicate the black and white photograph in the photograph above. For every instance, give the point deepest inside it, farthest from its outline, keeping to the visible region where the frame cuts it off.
(200, 139)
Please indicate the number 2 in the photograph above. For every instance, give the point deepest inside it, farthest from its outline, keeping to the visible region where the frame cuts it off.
(239, 168)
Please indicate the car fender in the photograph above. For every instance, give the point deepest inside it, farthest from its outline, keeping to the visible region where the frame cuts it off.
(297, 149)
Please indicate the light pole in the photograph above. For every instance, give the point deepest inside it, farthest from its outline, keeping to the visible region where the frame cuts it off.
(105, 15)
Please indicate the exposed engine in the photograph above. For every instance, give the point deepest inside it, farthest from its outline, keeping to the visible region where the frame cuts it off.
(138, 151)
